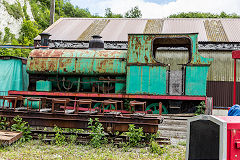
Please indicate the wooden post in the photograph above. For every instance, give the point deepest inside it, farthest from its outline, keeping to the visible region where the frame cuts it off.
(52, 11)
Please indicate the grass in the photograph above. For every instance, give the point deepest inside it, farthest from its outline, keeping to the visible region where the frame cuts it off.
(36, 149)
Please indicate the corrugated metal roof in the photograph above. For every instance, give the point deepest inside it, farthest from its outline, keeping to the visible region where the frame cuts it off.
(94, 29)
(68, 28)
(154, 26)
(117, 29)
(215, 31)
(185, 25)
(232, 29)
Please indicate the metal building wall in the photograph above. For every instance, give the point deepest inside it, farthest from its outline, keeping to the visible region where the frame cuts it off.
(220, 75)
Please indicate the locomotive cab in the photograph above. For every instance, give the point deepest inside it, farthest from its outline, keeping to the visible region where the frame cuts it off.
(176, 70)
(149, 73)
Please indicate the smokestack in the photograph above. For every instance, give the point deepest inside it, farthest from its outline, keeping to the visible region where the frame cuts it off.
(96, 42)
(44, 39)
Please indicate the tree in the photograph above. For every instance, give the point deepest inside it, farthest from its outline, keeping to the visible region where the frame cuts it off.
(135, 12)
(109, 14)
(8, 37)
(29, 30)
(69, 9)
(80, 12)
(203, 15)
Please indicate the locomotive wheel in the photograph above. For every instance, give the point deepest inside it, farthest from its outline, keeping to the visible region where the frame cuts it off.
(106, 107)
(154, 107)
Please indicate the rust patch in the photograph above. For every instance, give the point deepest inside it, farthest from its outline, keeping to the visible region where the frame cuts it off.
(146, 58)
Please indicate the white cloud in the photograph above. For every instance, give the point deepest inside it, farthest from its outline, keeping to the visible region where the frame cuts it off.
(153, 10)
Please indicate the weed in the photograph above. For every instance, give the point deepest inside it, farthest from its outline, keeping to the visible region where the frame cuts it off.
(143, 150)
(200, 108)
(59, 138)
(97, 133)
(135, 135)
(150, 137)
(125, 147)
(22, 126)
(127, 104)
(3, 123)
(40, 137)
(73, 130)
(182, 143)
(72, 139)
(156, 149)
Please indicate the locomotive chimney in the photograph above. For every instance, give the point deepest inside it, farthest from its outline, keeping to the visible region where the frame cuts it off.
(96, 42)
(44, 40)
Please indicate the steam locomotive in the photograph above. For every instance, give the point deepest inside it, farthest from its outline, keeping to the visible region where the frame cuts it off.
(133, 74)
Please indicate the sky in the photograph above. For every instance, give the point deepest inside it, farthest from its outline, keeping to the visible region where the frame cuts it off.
(160, 8)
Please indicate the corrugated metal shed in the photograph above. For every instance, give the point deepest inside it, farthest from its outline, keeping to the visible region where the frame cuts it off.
(221, 68)
(222, 93)
(117, 29)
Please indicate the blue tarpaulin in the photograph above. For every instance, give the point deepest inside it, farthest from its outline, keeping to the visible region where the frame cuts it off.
(234, 110)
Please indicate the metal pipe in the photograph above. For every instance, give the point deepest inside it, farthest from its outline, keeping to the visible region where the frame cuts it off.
(82, 57)
(160, 108)
(168, 81)
(183, 79)
(17, 46)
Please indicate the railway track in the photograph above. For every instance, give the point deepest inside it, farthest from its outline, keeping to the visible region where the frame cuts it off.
(84, 138)
(111, 122)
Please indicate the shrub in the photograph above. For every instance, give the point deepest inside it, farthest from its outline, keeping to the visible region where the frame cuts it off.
(97, 133)
(22, 126)
(134, 135)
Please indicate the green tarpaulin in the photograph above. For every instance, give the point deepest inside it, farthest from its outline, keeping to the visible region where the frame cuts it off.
(13, 76)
